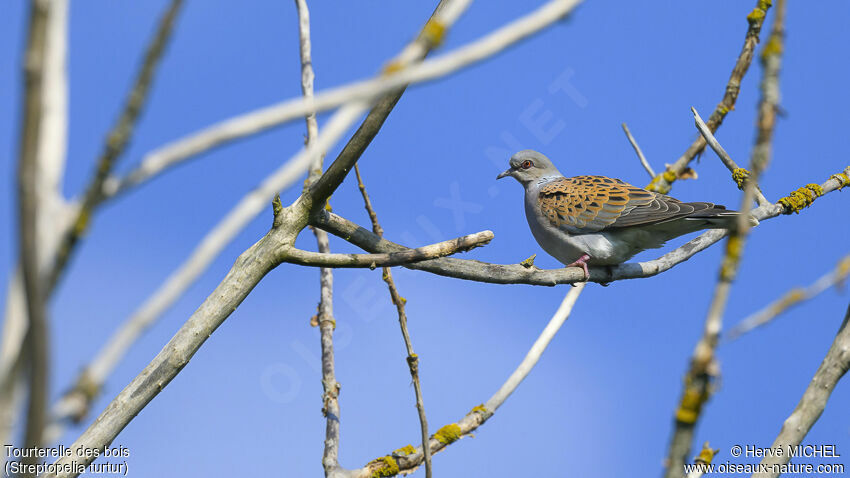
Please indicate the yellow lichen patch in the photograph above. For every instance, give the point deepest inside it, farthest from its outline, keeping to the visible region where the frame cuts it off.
(706, 454)
(434, 32)
(773, 47)
(756, 15)
(448, 434)
(661, 183)
(843, 268)
(815, 188)
(734, 247)
(691, 405)
(388, 467)
(480, 409)
(82, 222)
(740, 175)
(405, 450)
(528, 263)
(801, 198)
(392, 67)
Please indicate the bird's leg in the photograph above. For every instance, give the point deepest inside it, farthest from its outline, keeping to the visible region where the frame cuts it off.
(582, 262)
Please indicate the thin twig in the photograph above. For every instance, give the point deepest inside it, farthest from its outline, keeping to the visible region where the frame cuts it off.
(792, 298)
(727, 160)
(307, 77)
(812, 403)
(330, 387)
(29, 207)
(325, 316)
(704, 367)
(481, 413)
(641, 157)
(116, 142)
(663, 181)
(399, 301)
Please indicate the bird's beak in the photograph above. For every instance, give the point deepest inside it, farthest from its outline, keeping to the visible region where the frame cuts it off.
(505, 174)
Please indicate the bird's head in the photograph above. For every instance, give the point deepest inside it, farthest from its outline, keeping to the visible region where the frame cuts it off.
(529, 165)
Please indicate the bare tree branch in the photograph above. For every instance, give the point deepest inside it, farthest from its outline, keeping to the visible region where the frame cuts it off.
(52, 149)
(791, 298)
(399, 302)
(704, 366)
(640, 155)
(330, 387)
(812, 403)
(325, 316)
(50, 163)
(29, 207)
(407, 460)
(724, 156)
(663, 181)
(389, 259)
(116, 142)
(307, 77)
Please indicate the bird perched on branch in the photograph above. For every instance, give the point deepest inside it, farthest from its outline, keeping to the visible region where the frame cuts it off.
(597, 220)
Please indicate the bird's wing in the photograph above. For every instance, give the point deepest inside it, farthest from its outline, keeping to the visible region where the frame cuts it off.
(585, 204)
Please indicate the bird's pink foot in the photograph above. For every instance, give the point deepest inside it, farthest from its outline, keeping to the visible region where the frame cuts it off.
(582, 262)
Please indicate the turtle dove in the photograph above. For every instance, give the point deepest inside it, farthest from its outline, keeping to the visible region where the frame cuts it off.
(598, 220)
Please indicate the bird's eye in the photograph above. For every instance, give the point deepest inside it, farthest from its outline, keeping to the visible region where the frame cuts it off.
(526, 164)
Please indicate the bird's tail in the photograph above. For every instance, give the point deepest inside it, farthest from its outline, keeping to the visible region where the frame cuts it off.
(718, 217)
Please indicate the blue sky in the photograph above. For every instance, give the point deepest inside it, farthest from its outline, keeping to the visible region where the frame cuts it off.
(601, 400)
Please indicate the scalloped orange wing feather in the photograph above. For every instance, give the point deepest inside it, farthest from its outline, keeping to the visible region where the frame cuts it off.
(584, 204)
